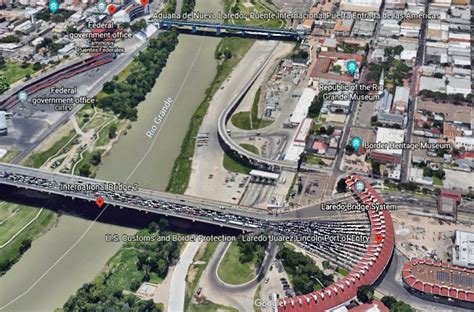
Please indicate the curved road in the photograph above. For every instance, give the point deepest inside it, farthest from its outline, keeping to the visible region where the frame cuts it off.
(238, 296)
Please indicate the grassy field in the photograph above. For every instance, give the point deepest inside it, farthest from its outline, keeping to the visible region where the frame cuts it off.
(233, 166)
(342, 271)
(231, 271)
(13, 218)
(9, 156)
(251, 148)
(14, 71)
(198, 269)
(437, 181)
(246, 7)
(250, 120)
(183, 164)
(208, 306)
(36, 160)
(9, 225)
(314, 160)
(257, 296)
(124, 268)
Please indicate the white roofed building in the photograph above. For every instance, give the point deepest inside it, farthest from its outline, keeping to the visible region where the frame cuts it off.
(463, 249)
(301, 108)
(361, 5)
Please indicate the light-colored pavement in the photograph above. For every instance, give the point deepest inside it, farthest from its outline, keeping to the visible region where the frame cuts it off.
(178, 281)
(208, 158)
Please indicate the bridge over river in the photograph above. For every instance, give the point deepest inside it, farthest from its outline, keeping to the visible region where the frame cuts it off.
(269, 33)
(134, 197)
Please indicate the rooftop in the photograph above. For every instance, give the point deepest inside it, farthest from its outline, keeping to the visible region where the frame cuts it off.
(437, 278)
(389, 135)
(463, 251)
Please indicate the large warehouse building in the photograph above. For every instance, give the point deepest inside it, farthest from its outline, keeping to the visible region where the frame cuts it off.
(463, 249)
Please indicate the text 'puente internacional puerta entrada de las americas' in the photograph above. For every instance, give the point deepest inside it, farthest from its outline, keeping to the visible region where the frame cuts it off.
(369, 268)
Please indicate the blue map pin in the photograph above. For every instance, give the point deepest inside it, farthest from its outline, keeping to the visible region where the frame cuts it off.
(351, 67)
(22, 96)
(101, 6)
(53, 6)
(356, 142)
(359, 186)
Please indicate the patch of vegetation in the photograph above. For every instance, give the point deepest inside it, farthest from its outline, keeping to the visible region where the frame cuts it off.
(251, 148)
(456, 98)
(208, 306)
(10, 39)
(170, 7)
(9, 156)
(182, 166)
(14, 71)
(199, 269)
(132, 265)
(342, 271)
(396, 306)
(240, 262)
(36, 160)
(188, 6)
(123, 97)
(232, 165)
(303, 271)
(256, 6)
(12, 252)
(394, 70)
(250, 120)
(316, 105)
(365, 293)
(314, 160)
(59, 16)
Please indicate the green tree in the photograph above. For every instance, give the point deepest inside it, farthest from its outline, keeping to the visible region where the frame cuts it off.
(401, 306)
(163, 224)
(112, 131)
(341, 186)
(349, 149)
(389, 301)
(152, 227)
(25, 245)
(96, 158)
(85, 170)
(365, 293)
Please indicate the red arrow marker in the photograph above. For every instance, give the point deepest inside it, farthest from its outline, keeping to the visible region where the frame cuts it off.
(144, 2)
(112, 9)
(100, 202)
(378, 238)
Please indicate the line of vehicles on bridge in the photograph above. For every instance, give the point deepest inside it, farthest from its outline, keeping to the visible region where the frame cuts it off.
(119, 197)
(296, 228)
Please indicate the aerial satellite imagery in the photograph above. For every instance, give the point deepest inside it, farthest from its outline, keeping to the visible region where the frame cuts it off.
(236, 156)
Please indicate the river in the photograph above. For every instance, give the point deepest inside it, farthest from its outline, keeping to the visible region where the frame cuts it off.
(50, 271)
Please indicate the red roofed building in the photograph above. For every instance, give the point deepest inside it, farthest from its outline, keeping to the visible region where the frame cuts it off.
(321, 69)
(366, 272)
(468, 155)
(438, 281)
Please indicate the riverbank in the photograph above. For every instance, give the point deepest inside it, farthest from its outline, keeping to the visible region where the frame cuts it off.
(229, 53)
(135, 263)
(78, 147)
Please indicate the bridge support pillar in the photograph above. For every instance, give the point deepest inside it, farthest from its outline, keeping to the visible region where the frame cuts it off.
(269, 35)
(218, 31)
(194, 29)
